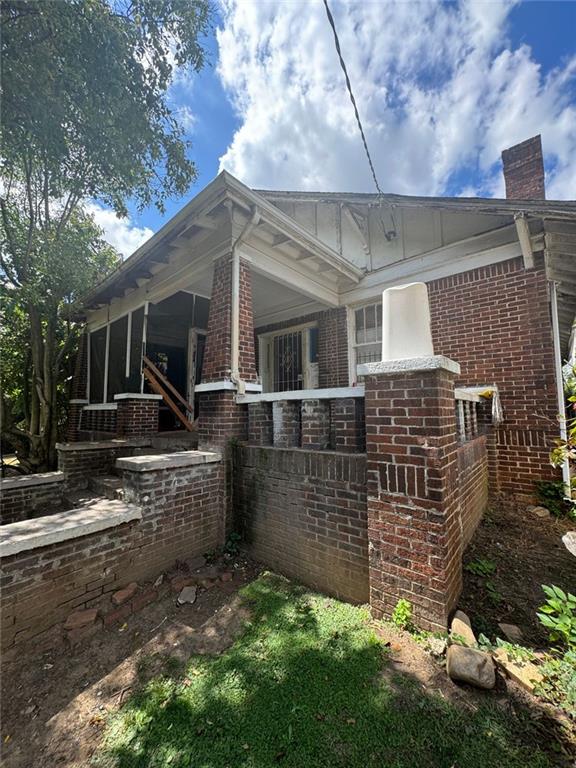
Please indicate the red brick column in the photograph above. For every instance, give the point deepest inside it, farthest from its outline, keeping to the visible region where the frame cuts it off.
(348, 425)
(260, 423)
(220, 418)
(414, 529)
(137, 414)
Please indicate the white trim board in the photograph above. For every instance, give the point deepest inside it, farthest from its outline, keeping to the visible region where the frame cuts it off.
(330, 393)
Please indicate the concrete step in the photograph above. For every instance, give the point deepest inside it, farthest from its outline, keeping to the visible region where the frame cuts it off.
(109, 486)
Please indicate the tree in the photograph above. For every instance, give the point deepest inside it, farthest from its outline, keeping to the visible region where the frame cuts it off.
(85, 115)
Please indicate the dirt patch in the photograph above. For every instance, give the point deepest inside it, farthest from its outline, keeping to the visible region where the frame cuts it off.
(55, 704)
(527, 552)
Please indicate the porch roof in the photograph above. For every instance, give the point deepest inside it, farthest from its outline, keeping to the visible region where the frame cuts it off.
(196, 216)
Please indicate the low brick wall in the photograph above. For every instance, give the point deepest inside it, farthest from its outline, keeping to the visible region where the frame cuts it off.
(176, 513)
(303, 513)
(29, 496)
(99, 419)
(473, 484)
(81, 461)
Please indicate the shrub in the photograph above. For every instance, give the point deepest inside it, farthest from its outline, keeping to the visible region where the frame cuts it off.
(552, 495)
(558, 614)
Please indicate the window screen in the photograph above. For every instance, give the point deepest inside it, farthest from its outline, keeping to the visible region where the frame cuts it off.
(134, 380)
(117, 358)
(97, 355)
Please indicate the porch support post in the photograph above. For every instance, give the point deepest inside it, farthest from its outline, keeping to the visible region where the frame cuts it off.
(79, 389)
(220, 418)
(414, 527)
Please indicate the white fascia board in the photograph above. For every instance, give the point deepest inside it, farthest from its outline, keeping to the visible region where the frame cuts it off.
(425, 268)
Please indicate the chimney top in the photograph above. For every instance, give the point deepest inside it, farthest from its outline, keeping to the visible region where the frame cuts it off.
(524, 170)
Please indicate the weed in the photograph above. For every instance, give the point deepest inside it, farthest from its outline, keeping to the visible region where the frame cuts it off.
(481, 567)
(559, 683)
(402, 614)
(558, 614)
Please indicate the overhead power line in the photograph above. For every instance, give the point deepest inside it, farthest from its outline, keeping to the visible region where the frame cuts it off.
(389, 234)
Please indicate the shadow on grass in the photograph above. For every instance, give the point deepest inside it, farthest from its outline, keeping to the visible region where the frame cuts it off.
(302, 688)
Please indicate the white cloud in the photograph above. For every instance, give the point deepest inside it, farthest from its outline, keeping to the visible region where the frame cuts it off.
(119, 232)
(440, 90)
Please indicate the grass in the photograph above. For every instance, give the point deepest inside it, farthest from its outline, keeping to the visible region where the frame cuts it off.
(303, 688)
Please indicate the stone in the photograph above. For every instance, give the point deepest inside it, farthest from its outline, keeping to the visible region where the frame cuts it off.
(196, 562)
(461, 626)
(524, 673)
(511, 632)
(125, 594)
(227, 576)
(144, 598)
(118, 614)
(467, 665)
(179, 582)
(159, 580)
(74, 636)
(81, 618)
(188, 595)
(436, 645)
(540, 512)
(569, 541)
(207, 583)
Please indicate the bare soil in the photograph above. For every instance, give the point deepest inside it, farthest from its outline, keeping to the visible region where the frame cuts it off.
(54, 704)
(528, 552)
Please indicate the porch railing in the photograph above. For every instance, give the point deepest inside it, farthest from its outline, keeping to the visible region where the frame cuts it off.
(160, 385)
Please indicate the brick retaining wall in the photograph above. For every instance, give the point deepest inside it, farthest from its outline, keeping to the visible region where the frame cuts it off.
(303, 513)
(30, 496)
(181, 518)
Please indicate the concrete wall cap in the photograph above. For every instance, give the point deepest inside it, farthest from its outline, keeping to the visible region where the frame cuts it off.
(53, 529)
(167, 461)
(408, 365)
(134, 442)
(136, 396)
(28, 481)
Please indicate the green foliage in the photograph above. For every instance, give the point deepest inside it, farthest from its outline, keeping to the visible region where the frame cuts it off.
(481, 567)
(558, 614)
(402, 614)
(518, 653)
(559, 683)
(551, 494)
(232, 546)
(494, 595)
(86, 116)
(304, 686)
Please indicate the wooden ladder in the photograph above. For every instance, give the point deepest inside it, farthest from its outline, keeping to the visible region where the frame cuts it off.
(160, 384)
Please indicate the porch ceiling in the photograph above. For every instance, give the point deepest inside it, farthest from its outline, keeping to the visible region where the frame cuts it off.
(560, 243)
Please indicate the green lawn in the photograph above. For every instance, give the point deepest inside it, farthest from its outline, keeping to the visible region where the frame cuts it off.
(302, 688)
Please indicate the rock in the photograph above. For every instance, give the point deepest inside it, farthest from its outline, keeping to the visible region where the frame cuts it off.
(188, 595)
(227, 576)
(179, 582)
(81, 619)
(125, 594)
(540, 512)
(159, 580)
(144, 598)
(526, 674)
(196, 562)
(468, 665)
(462, 627)
(511, 632)
(207, 583)
(569, 541)
(436, 645)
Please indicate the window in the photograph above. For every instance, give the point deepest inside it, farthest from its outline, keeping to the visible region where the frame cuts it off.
(288, 359)
(97, 364)
(368, 333)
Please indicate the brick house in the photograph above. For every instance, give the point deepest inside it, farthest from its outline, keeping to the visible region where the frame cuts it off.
(251, 327)
(251, 291)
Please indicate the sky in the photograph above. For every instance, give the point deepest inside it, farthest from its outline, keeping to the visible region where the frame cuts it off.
(442, 88)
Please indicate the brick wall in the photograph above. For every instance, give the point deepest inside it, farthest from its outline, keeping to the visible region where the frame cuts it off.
(80, 461)
(30, 496)
(303, 513)
(138, 416)
(473, 484)
(182, 516)
(332, 343)
(495, 322)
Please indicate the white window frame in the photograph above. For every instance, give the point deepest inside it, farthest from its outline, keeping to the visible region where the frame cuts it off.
(353, 345)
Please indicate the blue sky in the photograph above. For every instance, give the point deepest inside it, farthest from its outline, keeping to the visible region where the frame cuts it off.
(442, 88)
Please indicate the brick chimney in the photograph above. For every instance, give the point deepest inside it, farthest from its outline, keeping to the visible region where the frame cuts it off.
(524, 170)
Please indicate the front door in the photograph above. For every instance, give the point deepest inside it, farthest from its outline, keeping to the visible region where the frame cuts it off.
(289, 359)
